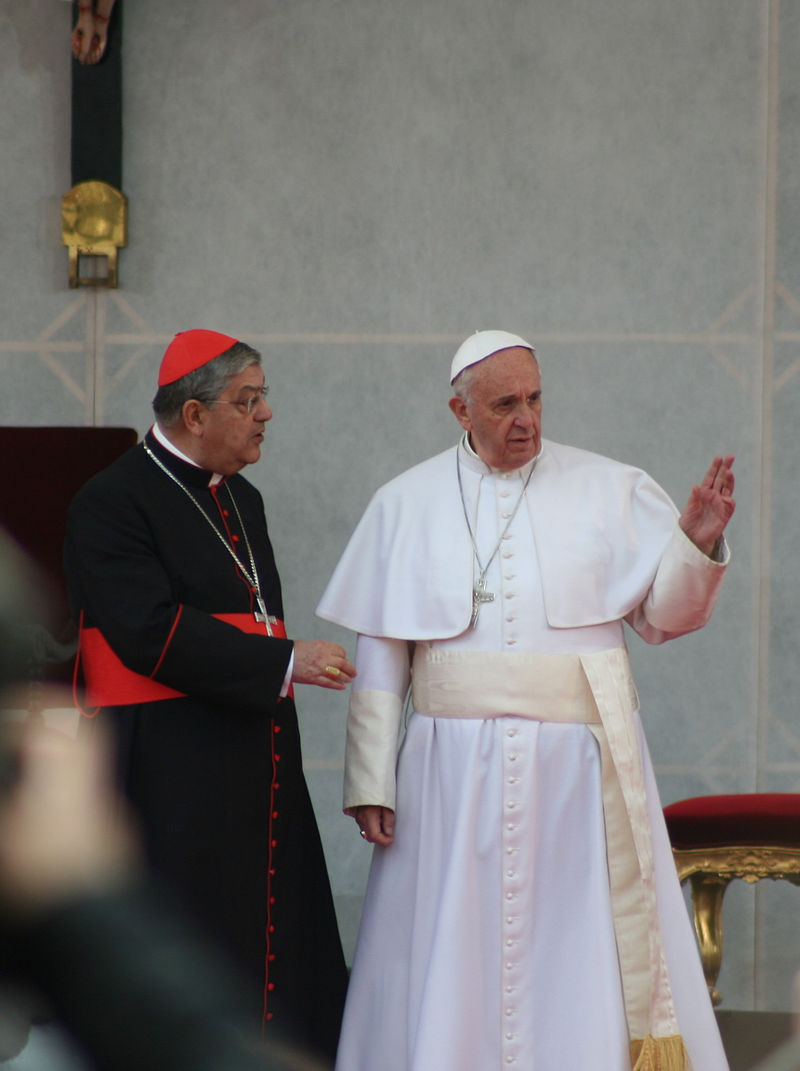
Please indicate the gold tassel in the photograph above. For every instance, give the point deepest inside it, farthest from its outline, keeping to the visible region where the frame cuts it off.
(660, 1054)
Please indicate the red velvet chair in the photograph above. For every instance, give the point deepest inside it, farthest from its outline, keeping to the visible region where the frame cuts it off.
(718, 838)
(43, 469)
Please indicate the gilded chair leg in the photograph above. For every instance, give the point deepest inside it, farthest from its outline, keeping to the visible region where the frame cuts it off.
(73, 267)
(707, 893)
(112, 269)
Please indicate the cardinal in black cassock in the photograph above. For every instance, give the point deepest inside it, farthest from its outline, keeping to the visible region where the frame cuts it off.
(173, 580)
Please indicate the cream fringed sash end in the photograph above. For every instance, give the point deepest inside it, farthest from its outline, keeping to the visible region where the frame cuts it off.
(660, 1054)
(596, 690)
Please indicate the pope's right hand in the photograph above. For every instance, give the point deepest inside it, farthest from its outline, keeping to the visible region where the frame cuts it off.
(376, 823)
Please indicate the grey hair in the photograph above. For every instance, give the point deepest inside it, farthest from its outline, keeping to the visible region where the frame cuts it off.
(464, 382)
(205, 384)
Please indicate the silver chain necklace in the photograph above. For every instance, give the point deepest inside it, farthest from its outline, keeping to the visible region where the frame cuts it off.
(479, 593)
(252, 576)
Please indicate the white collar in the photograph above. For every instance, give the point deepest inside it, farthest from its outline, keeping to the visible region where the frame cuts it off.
(216, 477)
(473, 461)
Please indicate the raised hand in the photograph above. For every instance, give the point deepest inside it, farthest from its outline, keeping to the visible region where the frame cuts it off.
(710, 505)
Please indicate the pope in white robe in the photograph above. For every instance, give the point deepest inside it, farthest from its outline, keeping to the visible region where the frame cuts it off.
(522, 909)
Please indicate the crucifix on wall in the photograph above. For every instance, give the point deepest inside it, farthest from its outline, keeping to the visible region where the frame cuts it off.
(94, 211)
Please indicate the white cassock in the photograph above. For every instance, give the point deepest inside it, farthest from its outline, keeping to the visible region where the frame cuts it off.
(528, 914)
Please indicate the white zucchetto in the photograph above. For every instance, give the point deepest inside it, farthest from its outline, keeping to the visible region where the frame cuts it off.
(482, 345)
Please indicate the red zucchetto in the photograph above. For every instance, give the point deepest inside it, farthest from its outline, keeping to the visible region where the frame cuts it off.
(190, 350)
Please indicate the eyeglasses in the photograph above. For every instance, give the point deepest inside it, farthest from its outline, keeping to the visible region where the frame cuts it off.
(246, 405)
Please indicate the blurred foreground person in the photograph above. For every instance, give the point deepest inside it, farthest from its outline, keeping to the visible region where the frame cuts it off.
(121, 969)
(172, 579)
(523, 909)
(84, 933)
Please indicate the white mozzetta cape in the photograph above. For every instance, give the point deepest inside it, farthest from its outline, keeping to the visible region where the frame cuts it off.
(606, 537)
(480, 749)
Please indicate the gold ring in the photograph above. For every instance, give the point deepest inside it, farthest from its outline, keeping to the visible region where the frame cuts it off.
(332, 671)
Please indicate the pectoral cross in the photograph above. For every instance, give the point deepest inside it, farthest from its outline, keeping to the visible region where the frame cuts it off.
(261, 614)
(479, 595)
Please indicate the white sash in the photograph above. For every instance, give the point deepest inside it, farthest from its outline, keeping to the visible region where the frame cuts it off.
(596, 690)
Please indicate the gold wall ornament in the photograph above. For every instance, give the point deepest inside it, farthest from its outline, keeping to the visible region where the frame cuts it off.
(709, 871)
(94, 223)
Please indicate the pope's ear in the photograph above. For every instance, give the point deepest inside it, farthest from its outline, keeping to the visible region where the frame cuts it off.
(194, 416)
(459, 408)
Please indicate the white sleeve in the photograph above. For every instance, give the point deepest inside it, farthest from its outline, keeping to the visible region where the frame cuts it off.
(684, 592)
(373, 723)
(287, 680)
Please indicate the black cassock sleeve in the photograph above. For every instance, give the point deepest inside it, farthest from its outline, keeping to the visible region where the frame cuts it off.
(144, 566)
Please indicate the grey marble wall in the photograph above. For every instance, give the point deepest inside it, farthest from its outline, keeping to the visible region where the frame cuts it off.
(353, 186)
